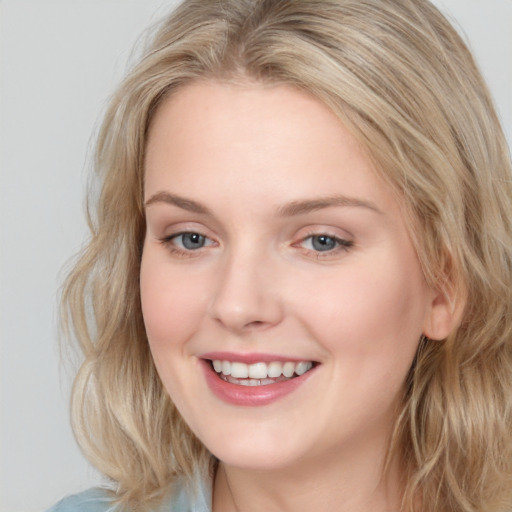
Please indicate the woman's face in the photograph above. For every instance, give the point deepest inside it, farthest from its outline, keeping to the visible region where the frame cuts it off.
(274, 249)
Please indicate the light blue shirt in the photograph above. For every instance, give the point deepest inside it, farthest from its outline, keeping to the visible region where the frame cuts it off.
(100, 500)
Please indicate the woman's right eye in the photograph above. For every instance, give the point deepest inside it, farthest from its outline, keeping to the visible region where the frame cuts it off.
(190, 241)
(187, 241)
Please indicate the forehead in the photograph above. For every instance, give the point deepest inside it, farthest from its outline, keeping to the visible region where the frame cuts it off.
(251, 129)
(253, 107)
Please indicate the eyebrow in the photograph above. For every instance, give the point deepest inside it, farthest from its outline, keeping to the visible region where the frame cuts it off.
(180, 202)
(310, 205)
(298, 207)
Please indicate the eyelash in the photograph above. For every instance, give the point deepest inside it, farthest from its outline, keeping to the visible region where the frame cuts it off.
(169, 242)
(341, 244)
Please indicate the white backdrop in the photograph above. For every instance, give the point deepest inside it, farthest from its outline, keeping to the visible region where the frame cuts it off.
(59, 61)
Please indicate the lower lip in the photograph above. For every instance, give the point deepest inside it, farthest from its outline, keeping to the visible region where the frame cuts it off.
(236, 394)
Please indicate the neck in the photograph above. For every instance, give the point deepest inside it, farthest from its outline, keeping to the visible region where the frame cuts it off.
(345, 484)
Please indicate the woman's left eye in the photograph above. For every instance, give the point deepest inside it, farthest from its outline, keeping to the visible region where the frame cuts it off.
(325, 243)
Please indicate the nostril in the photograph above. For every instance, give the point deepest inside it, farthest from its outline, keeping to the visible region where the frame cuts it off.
(256, 325)
(241, 327)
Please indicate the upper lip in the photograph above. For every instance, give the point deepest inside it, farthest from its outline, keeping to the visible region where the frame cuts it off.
(250, 358)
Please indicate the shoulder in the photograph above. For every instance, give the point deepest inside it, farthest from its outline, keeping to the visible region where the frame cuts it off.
(185, 497)
(191, 496)
(92, 500)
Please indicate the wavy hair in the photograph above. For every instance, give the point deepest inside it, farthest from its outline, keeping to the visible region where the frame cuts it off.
(402, 80)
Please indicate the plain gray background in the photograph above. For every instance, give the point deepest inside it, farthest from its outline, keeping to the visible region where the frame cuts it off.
(59, 61)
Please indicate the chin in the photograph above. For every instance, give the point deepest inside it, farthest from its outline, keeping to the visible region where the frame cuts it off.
(260, 453)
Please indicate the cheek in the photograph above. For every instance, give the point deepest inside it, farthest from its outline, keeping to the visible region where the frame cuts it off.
(373, 312)
(171, 302)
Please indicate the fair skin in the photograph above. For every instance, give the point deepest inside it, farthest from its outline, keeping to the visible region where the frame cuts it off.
(271, 237)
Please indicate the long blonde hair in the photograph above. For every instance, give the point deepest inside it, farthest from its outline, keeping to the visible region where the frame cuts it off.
(401, 79)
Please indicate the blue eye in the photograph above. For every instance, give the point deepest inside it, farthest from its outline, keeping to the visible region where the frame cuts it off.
(187, 243)
(325, 243)
(190, 241)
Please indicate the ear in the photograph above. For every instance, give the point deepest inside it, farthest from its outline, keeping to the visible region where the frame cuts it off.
(444, 314)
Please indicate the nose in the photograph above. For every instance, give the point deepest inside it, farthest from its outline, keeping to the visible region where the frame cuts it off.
(247, 296)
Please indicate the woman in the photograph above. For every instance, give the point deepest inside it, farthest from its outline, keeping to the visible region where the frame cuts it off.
(297, 291)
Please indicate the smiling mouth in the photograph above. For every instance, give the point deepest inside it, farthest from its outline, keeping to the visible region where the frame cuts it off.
(259, 373)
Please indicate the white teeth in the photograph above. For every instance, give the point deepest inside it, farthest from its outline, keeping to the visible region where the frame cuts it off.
(226, 367)
(303, 367)
(259, 373)
(274, 369)
(250, 382)
(288, 369)
(239, 370)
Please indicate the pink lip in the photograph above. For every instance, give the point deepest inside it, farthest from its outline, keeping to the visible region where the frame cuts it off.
(248, 358)
(236, 394)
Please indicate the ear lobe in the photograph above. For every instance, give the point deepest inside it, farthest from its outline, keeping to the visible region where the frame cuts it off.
(444, 315)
